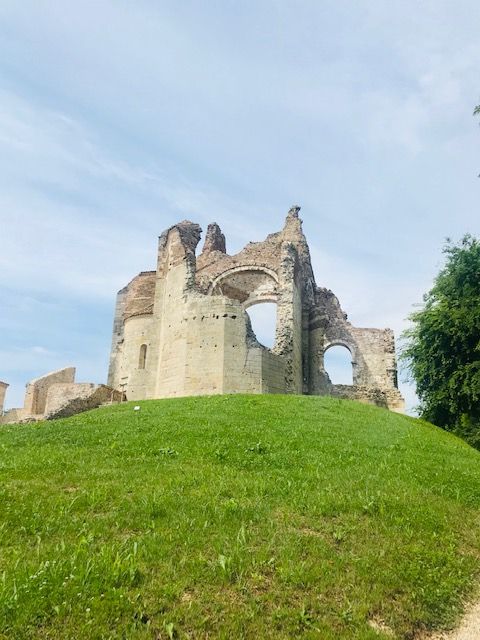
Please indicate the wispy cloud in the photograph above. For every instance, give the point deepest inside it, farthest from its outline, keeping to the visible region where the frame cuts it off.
(71, 209)
(116, 120)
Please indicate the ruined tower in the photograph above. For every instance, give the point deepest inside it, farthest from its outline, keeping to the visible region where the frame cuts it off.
(183, 329)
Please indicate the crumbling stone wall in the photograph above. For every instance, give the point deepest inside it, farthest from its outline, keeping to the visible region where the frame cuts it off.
(183, 329)
(387, 398)
(3, 390)
(65, 400)
(37, 390)
(13, 415)
(57, 395)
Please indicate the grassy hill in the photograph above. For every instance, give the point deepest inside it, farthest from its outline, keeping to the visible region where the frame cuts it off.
(235, 517)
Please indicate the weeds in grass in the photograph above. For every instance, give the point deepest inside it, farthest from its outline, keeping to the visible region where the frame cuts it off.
(257, 448)
(167, 451)
(336, 510)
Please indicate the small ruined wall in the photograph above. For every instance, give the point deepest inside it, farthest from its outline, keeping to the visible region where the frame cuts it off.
(387, 398)
(37, 390)
(61, 399)
(375, 357)
(11, 416)
(65, 400)
(3, 389)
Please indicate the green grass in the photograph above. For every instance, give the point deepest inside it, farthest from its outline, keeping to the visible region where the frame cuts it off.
(235, 517)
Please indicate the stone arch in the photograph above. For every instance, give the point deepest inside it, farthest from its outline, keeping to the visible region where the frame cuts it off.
(340, 342)
(248, 284)
(251, 302)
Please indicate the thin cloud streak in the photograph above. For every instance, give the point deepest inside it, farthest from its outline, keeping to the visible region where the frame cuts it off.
(114, 128)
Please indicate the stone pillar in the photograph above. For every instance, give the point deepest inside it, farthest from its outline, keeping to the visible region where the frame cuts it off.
(175, 283)
(288, 341)
(3, 391)
(317, 380)
(390, 360)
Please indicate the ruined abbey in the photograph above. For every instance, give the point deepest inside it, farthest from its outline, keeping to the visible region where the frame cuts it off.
(184, 330)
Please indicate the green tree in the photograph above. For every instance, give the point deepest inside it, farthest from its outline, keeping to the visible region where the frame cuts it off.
(442, 347)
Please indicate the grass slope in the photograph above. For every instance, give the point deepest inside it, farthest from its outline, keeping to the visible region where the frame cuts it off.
(234, 517)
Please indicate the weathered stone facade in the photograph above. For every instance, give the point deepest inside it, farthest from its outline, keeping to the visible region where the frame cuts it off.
(183, 329)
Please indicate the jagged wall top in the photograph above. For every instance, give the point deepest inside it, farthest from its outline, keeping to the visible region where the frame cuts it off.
(264, 254)
(214, 260)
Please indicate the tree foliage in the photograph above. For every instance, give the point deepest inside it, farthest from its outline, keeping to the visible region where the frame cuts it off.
(442, 348)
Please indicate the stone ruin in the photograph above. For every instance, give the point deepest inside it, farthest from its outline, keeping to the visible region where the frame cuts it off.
(3, 390)
(57, 395)
(184, 330)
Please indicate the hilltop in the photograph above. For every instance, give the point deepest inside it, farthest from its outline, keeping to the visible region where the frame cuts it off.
(235, 516)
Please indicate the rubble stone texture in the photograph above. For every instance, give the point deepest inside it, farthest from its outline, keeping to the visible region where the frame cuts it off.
(65, 400)
(184, 330)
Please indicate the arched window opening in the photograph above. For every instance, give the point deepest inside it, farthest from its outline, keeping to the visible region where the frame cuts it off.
(337, 361)
(142, 357)
(263, 317)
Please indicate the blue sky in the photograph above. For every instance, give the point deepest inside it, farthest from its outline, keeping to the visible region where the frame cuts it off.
(118, 119)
